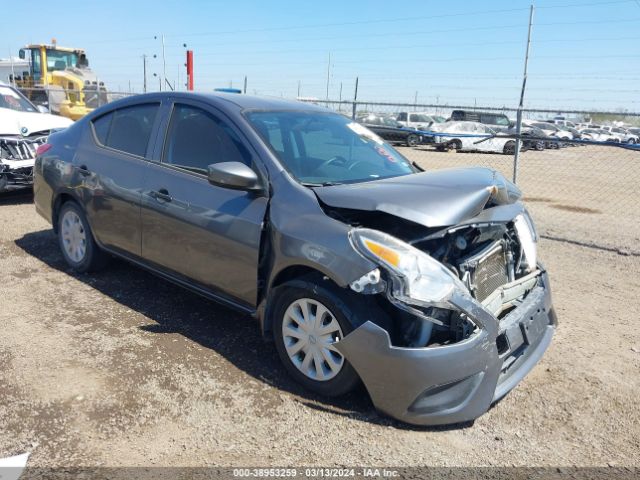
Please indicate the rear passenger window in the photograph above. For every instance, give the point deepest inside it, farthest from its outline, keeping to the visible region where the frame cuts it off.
(197, 139)
(127, 129)
(101, 126)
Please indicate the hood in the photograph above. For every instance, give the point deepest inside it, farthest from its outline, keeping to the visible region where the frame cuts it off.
(13, 122)
(434, 199)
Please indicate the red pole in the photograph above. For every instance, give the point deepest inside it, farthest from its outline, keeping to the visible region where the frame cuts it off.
(190, 70)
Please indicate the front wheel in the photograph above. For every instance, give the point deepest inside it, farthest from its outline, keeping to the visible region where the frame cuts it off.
(455, 145)
(631, 141)
(76, 240)
(309, 318)
(412, 140)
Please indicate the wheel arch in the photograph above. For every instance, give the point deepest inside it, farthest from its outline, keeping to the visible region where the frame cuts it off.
(59, 200)
(286, 274)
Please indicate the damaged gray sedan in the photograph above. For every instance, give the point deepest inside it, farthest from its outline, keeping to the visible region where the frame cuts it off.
(424, 286)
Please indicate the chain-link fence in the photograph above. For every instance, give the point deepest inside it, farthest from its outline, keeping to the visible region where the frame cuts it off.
(579, 175)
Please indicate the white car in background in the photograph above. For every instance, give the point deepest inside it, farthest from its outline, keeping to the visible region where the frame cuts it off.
(471, 137)
(418, 120)
(23, 127)
(597, 135)
(624, 135)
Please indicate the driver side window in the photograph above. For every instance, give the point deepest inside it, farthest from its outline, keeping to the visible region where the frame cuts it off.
(197, 139)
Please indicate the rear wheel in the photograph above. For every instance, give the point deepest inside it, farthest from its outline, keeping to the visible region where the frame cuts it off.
(539, 146)
(631, 141)
(76, 241)
(309, 317)
(509, 148)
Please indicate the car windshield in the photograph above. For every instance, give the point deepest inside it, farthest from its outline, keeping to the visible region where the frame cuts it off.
(13, 100)
(418, 117)
(326, 149)
(390, 122)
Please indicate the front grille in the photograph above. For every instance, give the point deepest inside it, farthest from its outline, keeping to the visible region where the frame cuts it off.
(487, 270)
(19, 149)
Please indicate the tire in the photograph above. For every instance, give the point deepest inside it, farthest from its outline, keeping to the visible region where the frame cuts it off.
(509, 148)
(631, 141)
(312, 290)
(539, 146)
(455, 145)
(3, 183)
(76, 241)
(412, 140)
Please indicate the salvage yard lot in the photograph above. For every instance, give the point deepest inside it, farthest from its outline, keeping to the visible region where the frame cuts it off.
(122, 368)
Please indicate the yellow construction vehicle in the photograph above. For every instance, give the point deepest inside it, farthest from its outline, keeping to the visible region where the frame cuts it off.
(60, 78)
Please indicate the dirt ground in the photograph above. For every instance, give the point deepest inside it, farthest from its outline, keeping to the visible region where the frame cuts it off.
(121, 368)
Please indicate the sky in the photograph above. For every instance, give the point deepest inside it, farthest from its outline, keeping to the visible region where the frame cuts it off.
(584, 53)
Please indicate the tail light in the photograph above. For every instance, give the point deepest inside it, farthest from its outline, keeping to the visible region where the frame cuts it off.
(42, 149)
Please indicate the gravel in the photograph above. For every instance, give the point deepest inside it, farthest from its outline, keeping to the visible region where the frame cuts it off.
(120, 368)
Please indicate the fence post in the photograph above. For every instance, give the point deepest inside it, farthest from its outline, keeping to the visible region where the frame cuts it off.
(355, 100)
(516, 155)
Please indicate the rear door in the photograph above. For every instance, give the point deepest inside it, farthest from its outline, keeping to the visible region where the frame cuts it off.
(111, 161)
(201, 233)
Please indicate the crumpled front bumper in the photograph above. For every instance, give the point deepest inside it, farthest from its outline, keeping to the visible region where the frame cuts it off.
(458, 382)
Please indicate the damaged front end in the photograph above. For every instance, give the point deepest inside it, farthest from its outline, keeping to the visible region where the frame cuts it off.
(17, 157)
(470, 307)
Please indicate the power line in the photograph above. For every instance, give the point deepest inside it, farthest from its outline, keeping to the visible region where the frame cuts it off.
(379, 21)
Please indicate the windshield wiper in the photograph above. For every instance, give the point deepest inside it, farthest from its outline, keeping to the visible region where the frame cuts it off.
(323, 184)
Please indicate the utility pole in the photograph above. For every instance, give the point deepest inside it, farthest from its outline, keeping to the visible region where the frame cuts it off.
(355, 99)
(415, 101)
(144, 73)
(164, 61)
(244, 89)
(328, 74)
(340, 98)
(298, 89)
(516, 156)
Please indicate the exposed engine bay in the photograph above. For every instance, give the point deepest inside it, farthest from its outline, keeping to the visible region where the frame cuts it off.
(484, 256)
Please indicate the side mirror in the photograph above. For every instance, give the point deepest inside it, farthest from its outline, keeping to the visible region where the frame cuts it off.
(235, 175)
(22, 54)
(43, 109)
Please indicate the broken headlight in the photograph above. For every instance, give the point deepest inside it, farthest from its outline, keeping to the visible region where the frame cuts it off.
(416, 278)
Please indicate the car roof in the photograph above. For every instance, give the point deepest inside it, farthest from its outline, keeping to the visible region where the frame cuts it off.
(225, 101)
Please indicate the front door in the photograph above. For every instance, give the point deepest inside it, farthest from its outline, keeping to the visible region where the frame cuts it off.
(203, 233)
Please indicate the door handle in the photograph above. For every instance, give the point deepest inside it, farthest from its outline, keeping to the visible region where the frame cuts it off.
(83, 170)
(161, 194)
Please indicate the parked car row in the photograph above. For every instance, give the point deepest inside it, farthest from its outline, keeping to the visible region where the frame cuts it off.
(473, 130)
